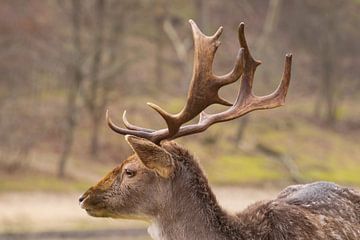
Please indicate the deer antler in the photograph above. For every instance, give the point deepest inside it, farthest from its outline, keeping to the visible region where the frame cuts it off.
(204, 88)
(204, 85)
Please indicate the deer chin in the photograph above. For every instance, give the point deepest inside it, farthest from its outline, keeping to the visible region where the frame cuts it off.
(93, 208)
(125, 216)
(131, 217)
(97, 212)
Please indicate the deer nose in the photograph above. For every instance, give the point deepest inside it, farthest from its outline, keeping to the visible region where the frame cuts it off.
(81, 198)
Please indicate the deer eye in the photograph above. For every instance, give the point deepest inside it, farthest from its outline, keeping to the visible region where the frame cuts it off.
(129, 173)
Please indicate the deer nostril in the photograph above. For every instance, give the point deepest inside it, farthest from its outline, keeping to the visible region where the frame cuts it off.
(81, 199)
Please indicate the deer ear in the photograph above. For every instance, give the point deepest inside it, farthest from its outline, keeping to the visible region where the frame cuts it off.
(152, 155)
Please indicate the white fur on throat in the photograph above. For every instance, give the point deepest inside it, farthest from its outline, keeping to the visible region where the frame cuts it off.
(155, 231)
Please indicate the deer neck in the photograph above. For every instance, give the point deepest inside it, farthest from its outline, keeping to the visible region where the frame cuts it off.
(193, 213)
(183, 221)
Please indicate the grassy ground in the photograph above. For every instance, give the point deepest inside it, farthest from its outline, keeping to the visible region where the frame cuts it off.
(315, 152)
(276, 145)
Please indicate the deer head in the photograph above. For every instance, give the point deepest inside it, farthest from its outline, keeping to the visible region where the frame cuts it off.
(144, 184)
(136, 188)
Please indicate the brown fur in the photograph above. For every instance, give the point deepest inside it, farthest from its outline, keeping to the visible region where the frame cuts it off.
(183, 206)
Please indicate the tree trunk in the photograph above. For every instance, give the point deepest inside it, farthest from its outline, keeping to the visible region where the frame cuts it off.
(104, 70)
(318, 106)
(94, 149)
(70, 129)
(326, 106)
(73, 90)
(329, 94)
(160, 16)
(181, 48)
(243, 122)
(159, 63)
(95, 84)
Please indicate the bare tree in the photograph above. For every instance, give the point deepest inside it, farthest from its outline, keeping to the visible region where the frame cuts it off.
(95, 100)
(20, 62)
(106, 51)
(160, 14)
(181, 47)
(75, 71)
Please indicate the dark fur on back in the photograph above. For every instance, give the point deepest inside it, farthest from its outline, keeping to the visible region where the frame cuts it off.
(312, 211)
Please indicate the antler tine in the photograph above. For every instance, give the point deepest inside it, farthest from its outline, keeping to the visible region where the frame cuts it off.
(250, 63)
(130, 126)
(277, 98)
(235, 73)
(139, 132)
(243, 52)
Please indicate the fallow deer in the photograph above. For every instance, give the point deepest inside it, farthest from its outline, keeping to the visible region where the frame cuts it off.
(162, 182)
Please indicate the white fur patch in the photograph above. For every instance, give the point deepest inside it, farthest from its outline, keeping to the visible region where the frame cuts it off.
(155, 231)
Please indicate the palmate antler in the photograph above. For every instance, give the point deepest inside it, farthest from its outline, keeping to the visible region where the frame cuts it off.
(204, 91)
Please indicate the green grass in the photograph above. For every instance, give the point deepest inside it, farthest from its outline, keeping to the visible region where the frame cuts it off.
(348, 176)
(319, 153)
(237, 169)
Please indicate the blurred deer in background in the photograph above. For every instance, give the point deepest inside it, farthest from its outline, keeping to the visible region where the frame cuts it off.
(162, 182)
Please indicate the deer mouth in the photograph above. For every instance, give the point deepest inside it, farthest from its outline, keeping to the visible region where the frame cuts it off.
(92, 206)
(96, 212)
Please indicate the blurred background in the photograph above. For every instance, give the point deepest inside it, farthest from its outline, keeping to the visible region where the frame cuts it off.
(64, 62)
